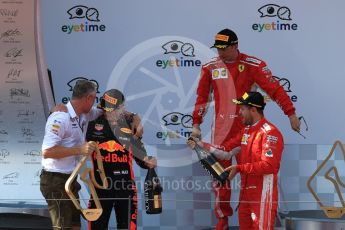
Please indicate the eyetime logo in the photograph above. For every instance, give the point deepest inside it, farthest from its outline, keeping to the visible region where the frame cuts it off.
(282, 19)
(287, 87)
(178, 47)
(71, 85)
(285, 83)
(90, 18)
(176, 119)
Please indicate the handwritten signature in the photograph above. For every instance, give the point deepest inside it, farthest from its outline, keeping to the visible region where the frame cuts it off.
(37, 173)
(14, 73)
(14, 52)
(34, 153)
(11, 175)
(4, 153)
(19, 92)
(27, 132)
(10, 33)
(4, 132)
(25, 113)
(8, 13)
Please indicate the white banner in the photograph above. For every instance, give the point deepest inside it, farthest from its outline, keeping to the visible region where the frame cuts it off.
(22, 115)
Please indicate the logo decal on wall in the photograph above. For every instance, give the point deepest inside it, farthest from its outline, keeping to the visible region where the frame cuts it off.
(273, 10)
(178, 47)
(187, 49)
(176, 119)
(285, 83)
(83, 12)
(72, 83)
(279, 13)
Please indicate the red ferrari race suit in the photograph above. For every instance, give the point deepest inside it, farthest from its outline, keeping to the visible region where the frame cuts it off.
(262, 146)
(118, 148)
(229, 81)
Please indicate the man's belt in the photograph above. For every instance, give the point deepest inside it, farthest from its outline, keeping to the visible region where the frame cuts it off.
(57, 174)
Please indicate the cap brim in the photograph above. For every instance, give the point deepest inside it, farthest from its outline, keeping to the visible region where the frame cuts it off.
(239, 102)
(103, 105)
(100, 106)
(219, 46)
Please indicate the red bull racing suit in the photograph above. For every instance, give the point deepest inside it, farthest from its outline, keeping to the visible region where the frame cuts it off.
(227, 81)
(258, 163)
(118, 148)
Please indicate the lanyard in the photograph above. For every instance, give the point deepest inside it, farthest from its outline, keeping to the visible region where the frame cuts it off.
(80, 125)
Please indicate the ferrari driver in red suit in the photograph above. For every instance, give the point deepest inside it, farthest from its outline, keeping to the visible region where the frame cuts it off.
(258, 162)
(228, 77)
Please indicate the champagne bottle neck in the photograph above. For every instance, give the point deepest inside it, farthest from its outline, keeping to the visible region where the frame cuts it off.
(201, 152)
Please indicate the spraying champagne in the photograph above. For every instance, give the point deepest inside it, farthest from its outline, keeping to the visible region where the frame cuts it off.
(210, 164)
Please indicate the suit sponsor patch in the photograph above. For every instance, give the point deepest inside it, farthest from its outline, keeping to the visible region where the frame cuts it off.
(219, 73)
(253, 216)
(201, 111)
(99, 127)
(240, 67)
(245, 138)
(117, 172)
(272, 139)
(126, 130)
(266, 127)
(269, 153)
(254, 60)
(55, 128)
(55, 131)
(266, 70)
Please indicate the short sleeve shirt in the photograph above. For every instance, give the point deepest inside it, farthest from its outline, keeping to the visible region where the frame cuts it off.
(68, 130)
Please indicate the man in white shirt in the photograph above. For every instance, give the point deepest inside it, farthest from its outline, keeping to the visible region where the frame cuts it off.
(63, 146)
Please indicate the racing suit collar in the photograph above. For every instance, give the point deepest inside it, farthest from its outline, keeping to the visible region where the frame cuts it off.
(258, 124)
(234, 61)
(239, 55)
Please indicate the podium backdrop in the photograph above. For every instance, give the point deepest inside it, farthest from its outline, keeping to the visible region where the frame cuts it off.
(153, 51)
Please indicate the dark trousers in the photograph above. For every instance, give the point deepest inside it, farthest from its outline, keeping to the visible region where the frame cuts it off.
(62, 211)
(125, 211)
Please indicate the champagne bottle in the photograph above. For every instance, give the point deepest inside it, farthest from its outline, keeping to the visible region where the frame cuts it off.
(211, 165)
(153, 190)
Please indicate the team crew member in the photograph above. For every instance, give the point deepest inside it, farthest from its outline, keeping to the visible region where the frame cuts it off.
(261, 145)
(228, 77)
(118, 147)
(62, 148)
